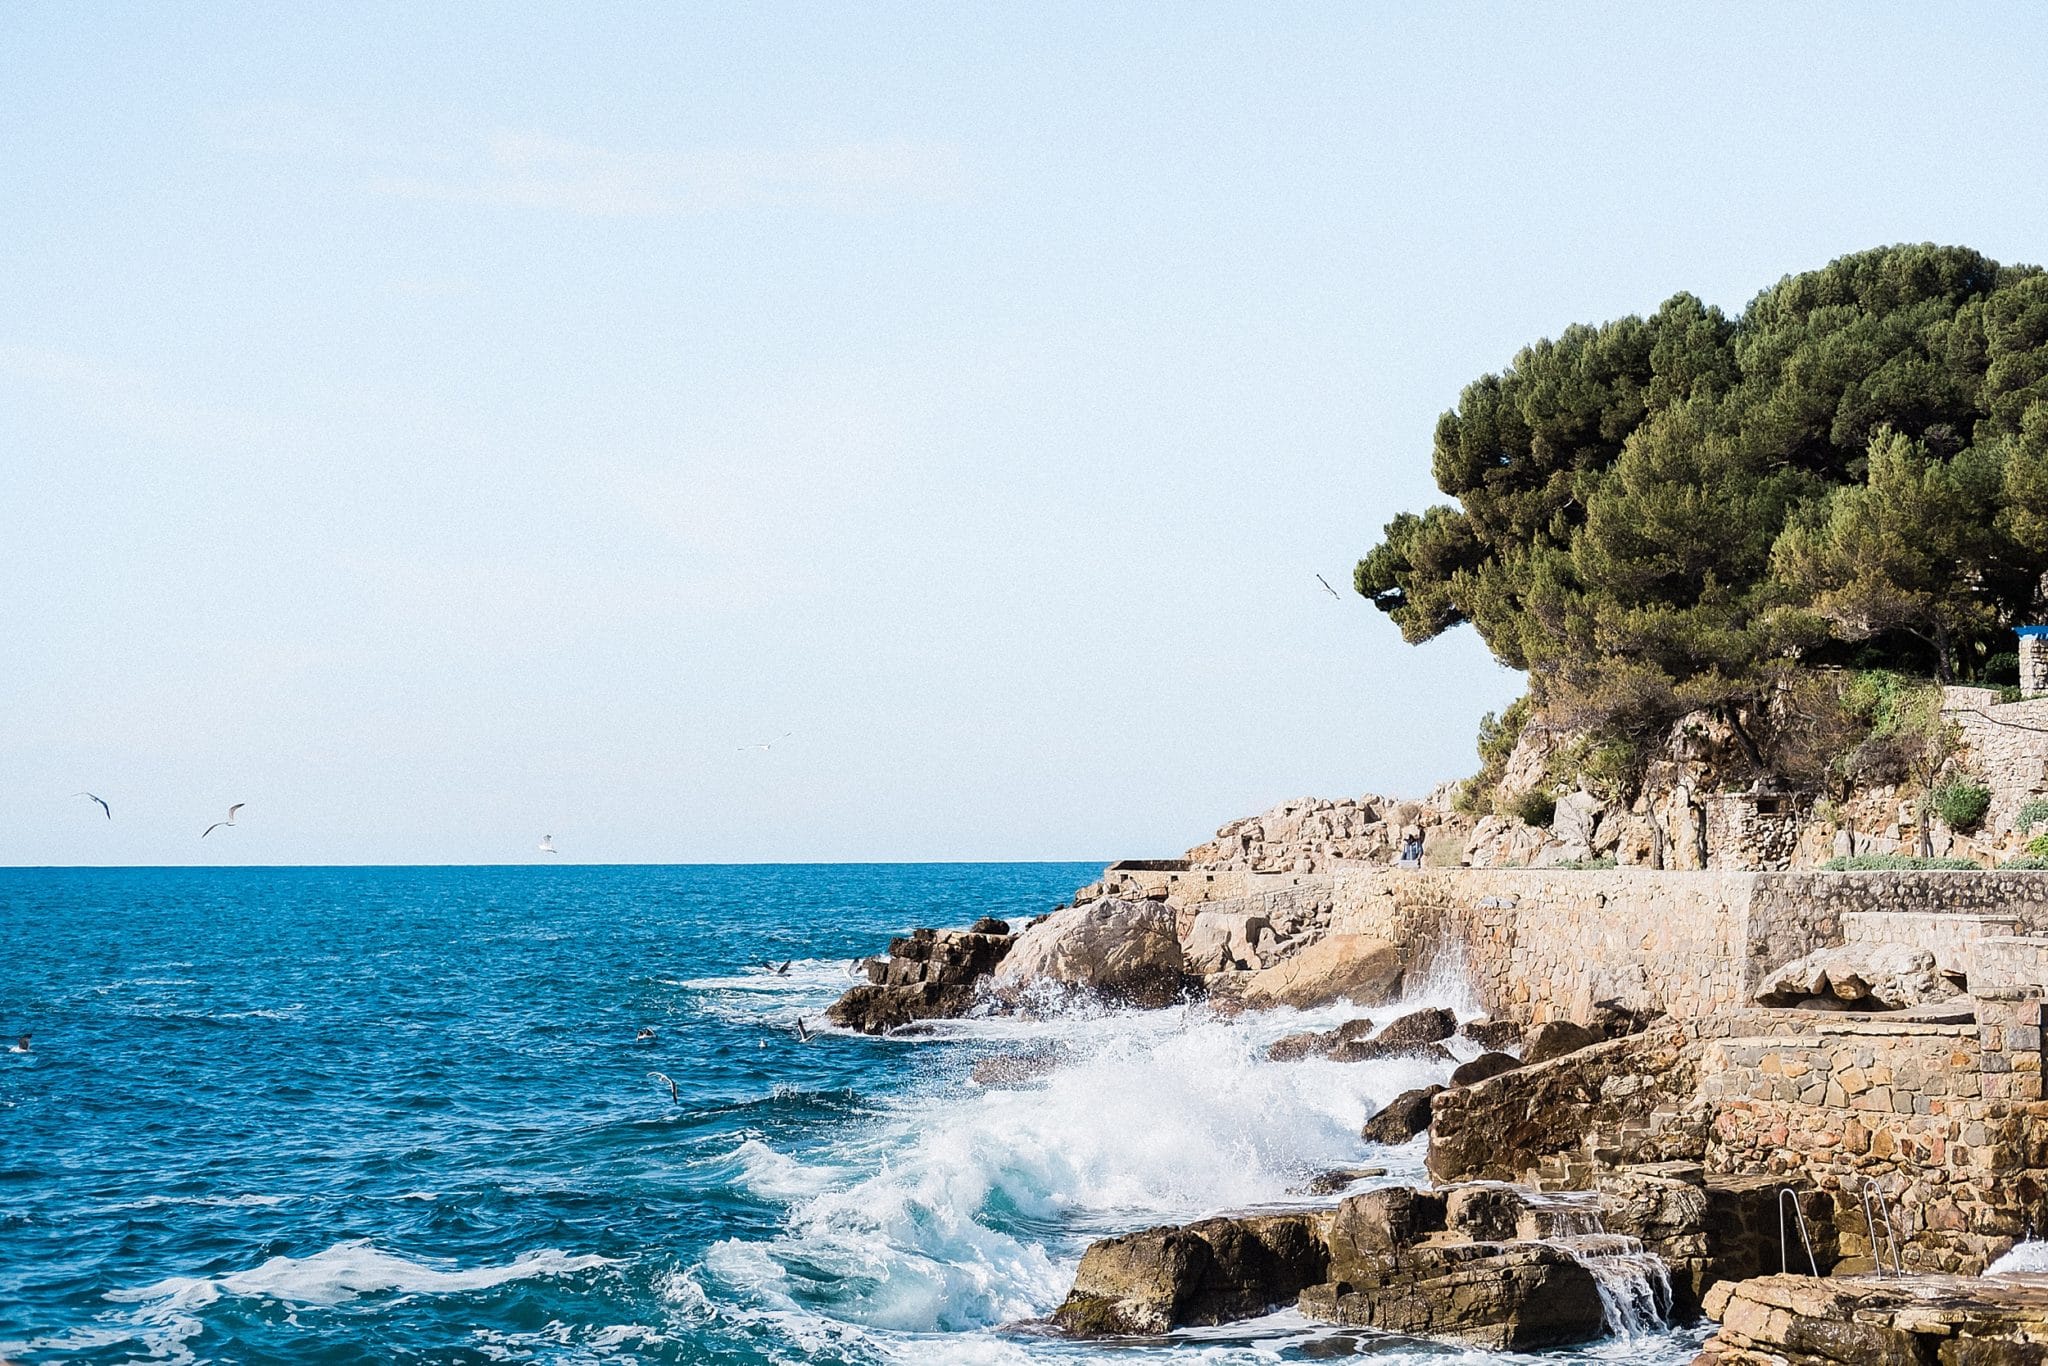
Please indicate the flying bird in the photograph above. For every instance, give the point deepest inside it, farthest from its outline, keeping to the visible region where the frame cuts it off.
(768, 744)
(673, 1094)
(803, 1035)
(782, 969)
(229, 822)
(101, 800)
(547, 845)
(1327, 589)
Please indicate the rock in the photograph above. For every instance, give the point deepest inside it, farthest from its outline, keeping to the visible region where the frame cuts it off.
(1218, 940)
(988, 924)
(1574, 823)
(1403, 1117)
(1120, 950)
(1421, 1026)
(1613, 1020)
(1295, 1047)
(1805, 1321)
(1376, 1050)
(1484, 1066)
(1205, 1273)
(1880, 976)
(1557, 1123)
(1517, 1296)
(1493, 1034)
(1330, 1183)
(1383, 1221)
(1351, 967)
(879, 1009)
(1554, 1039)
(1483, 1212)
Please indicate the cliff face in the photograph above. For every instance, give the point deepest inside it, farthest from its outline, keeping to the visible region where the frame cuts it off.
(1697, 805)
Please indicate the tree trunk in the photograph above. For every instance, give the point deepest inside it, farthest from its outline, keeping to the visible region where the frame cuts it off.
(1733, 717)
(1944, 654)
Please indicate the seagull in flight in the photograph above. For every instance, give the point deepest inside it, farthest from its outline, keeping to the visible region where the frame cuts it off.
(547, 845)
(1327, 589)
(768, 744)
(803, 1033)
(101, 800)
(673, 1094)
(229, 822)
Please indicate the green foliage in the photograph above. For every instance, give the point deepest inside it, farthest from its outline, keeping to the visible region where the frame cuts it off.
(1586, 865)
(1905, 734)
(1961, 804)
(2010, 694)
(2031, 814)
(1897, 863)
(1676, 512)
(2001, 670)
(2026, 863)
(1497, 738)
(1534, 807)
(2038, 846)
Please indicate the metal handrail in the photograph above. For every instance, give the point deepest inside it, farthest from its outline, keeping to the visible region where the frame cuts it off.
(1799, 1221)
(1891, 1236)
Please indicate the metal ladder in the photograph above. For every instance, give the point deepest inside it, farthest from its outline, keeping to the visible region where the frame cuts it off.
(1799, 1220)
(1873, 1198)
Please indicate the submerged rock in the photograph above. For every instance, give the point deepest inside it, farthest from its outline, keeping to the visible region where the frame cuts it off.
(1352, 967)
(1204, 1273)
(1122, 951)
(1403, 1117)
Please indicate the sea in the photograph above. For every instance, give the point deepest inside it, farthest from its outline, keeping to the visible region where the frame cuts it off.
(337, 1115)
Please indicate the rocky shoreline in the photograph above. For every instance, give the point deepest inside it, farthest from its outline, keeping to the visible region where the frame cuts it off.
(1596, 1165)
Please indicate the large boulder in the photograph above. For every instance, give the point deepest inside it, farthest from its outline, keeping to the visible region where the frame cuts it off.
(1484, 1066)
(1417, 1034)
(1554, 1039)
(1807, 1321)
(879, 1009)
(1397, 1267)
(1220, 940)
(926, 974)
(1204, 1273)
(1352, 967)
(1403, 1117)
(1123, 951)
(1865, 976)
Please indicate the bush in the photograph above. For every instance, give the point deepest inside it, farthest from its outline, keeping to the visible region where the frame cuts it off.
(1534, 807)
(2026, 863)
(1961, 804)
(2038, 846)
(2031, 815)
(2001, 670)
(2010, 693)
(1898, 863)
(1586, 865)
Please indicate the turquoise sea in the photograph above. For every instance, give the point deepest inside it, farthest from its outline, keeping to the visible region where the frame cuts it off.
(401, 1115)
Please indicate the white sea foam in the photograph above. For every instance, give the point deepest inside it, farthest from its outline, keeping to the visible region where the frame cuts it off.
(965, 1207)
(2027, 1257)
(341, 1273)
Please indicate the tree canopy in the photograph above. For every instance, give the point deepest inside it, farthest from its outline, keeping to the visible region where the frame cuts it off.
(1659, 514)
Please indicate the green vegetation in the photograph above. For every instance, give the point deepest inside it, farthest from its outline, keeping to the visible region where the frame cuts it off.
(2031, 815)
(1694, 511)
(2038, 846)
(1586, 865)
(1897, 863)
(2026, 863)
(1534, 807)
(1961, 804)
(1497, 737)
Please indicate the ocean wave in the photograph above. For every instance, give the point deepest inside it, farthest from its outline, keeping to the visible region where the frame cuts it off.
(343, 1272)
(2024, 1257)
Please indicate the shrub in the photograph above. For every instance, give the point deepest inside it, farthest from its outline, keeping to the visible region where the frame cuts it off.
(2001, 670)
(1586, 865)
(1897, 863)
(1961, 804)
(1534, 807)
(2031, 815)
(2026, 863)
(2038, 846)
(2010, 693)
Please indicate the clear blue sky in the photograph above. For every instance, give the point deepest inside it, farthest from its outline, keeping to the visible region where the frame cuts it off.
(437, 426)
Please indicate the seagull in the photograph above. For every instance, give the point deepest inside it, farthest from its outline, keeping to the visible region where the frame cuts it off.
(768, 744)
(229, 822)
(547, 845)
(646, 1034)
(673, 1094)
(783, 969)
(803, 1035)
(101, 800)
(1327, 589)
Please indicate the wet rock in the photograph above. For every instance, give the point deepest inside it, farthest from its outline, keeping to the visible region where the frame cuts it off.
(1330, 1183)
(988, 924)
(1352, 967)
(879, 1009)
(1398, 1264)
(1204, 1273)
(1403, 1117)
(1484, 1066)
(1876, 976)
(1554, 1039)
(1421, 1026)
(1122, 951)
(1484, 1212)
(1493, 1034)
(1377, 1050)
(1294, 1047)
(926, 974)
(1805, 1321)
(1613, 1020)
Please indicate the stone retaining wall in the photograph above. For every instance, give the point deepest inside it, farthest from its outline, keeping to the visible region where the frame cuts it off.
(1547, 943)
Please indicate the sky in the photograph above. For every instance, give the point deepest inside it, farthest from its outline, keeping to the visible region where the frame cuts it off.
(440, 426)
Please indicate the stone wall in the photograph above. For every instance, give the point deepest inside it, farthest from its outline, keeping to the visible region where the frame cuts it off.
(1543, 944)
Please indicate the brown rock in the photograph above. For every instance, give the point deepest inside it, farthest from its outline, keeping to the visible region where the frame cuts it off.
(1337, 967)
(1123, 951)
(879, 1009)
(1403, 1117)
(1954, 1320)
(1484, 1066)
(1506, 1296)
(1554, 1039)
(1209, 1272)
(1421, 1026)
(1493, 1034)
